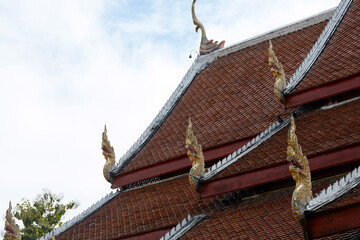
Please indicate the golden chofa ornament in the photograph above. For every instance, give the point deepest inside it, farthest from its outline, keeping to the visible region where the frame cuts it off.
(300, 172)
(278, 72)
(12, 231)
(206, 46)
(109, 155)
(196, 156)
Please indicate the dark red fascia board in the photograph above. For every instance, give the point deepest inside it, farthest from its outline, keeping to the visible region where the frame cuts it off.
(175, 164)
(277, 173)
(323, 91)
(157, 234)
(338, 220)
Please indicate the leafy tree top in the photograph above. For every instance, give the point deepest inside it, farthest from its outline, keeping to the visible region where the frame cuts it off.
(42, 216)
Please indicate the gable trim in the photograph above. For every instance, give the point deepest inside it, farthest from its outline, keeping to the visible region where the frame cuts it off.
(318, 47)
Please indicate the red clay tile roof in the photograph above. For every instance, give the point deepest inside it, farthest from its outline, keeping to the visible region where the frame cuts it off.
(341, 57)
(141, 210)
(318, 131)
(264, 217)
(164, 204)
(229, 100)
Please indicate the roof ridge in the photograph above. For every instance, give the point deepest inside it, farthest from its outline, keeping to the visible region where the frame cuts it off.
(182, 227)
(335, 190)
(64, 227)
(277, 32)
(319, 46)
(200, 63)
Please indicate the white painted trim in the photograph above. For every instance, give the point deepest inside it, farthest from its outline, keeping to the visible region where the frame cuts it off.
(181, 228)
(334, 191)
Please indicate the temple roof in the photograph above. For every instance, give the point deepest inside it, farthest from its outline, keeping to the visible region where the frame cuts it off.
(229, 96)
(226, 93)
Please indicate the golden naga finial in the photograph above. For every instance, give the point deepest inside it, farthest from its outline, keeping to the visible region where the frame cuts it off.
(11, 228)
(195, 153)
(278, 72)
(206, 46)
(300, 171)
(109, 154)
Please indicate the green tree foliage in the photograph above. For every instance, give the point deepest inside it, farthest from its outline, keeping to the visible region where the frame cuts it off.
(43, 216)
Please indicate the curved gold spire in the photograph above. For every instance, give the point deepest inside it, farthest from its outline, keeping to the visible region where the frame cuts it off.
(195, 153)
(11, 228)
(300, 171)
(206, 46)
(278, 72)
(109, 154)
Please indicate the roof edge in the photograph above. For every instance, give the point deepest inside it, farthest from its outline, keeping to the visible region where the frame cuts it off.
(318, 47)
(197, 67)
(69, 224)
(334, 191)
(200, 64)
(182, 227)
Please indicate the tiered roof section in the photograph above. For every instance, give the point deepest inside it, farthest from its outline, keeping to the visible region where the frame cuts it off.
(153, 209)
(231, 89)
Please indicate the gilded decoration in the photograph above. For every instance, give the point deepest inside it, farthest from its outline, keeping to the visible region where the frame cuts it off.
(11, 228)
(109, 154)
(300, 172)
(195, 153)
(278, 72)
(206, 46)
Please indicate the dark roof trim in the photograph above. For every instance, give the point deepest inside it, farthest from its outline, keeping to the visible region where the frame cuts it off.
(318, 47)
(331, 223)
(324, 91)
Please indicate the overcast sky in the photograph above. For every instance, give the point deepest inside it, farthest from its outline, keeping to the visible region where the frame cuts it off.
(69, 67)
